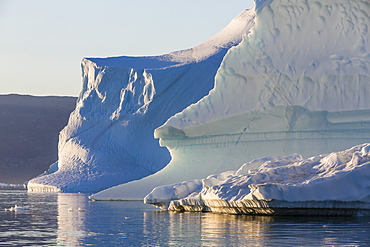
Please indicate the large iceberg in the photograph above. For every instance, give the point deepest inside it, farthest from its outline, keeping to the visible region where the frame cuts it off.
(334, 184)
(109, 137)
(298, 83)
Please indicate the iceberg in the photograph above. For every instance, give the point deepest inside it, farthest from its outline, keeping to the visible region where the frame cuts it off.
(109, 137)
(298, 82)
(334, 184)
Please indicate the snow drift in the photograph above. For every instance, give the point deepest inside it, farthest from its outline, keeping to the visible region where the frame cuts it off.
(109, 137)
(338, 180)
(298, 83)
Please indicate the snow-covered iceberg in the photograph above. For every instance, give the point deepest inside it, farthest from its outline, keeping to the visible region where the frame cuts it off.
(298, 83)
(334, 184)
(109, 138)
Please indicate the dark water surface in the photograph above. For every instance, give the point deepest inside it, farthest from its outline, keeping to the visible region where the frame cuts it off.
(49, 221)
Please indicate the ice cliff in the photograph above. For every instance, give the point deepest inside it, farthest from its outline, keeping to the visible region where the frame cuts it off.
(298, 83)
(336, 180)
(109, 137)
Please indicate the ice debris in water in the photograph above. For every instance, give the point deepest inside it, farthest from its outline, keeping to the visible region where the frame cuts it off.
(17, 208)
(339, 176)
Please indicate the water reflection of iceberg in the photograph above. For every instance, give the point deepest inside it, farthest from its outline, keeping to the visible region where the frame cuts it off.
(71, 221)
(204, 229)
(132, 223)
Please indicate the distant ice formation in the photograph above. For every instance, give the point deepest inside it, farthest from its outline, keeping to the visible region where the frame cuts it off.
(298, 83)
(279, 185)
(109, 138)
(12, 186)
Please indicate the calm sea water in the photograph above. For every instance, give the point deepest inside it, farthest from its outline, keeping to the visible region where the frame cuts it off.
(50, 222)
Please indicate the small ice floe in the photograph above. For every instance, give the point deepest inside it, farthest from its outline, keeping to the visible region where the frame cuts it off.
(79, 210)
(17, 208)
(9, 209)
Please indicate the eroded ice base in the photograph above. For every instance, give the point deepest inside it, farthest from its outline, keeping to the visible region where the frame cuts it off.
(272, 207)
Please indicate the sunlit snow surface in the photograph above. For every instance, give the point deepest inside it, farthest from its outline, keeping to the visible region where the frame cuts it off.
(313, 54)
(339, 177)
(298, 83)
(109, 138)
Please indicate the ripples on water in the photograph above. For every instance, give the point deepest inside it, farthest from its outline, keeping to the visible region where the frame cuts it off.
(49, 222)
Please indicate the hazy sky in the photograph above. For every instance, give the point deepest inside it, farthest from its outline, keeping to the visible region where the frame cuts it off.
(42, 42)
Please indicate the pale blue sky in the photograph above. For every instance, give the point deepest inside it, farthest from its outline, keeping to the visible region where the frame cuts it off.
(42, 42)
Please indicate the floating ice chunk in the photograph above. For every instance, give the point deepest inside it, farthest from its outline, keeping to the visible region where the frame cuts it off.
(339, 176)
(17, 208)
